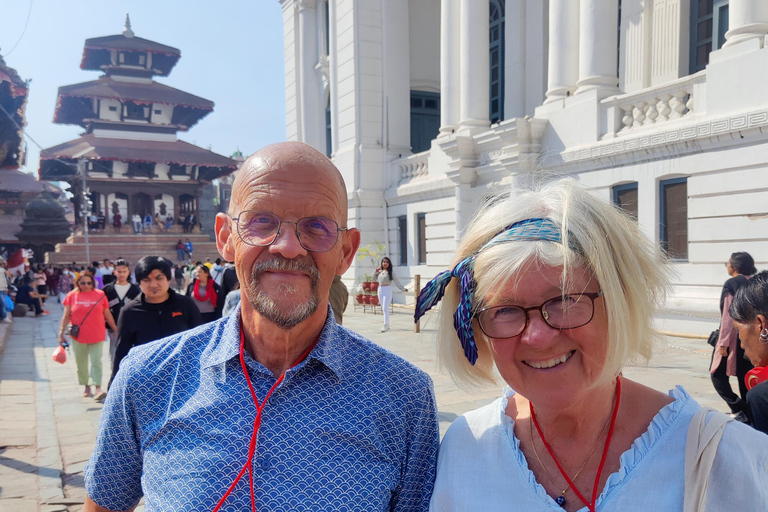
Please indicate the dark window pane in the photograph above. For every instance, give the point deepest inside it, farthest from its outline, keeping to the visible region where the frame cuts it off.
(494, 74)
(675, 219)
(494, 57)
(415, 102)
(705, 7)
(494, 106)
(421, 225)
(494, 90)
(625, 197)
(431, 104)
(722, 25)
(704, 30)
(402, 232)
(702, 54)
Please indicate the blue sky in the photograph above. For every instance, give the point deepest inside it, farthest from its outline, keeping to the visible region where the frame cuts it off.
(231, 53)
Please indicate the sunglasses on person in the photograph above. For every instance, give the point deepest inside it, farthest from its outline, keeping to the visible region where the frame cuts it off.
(85, 283)
(561, 312)
(260, 229)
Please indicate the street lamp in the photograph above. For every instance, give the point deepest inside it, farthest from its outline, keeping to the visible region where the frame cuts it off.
(86, 202)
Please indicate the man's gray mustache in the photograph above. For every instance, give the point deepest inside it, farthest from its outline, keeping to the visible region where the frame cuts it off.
(286, 264)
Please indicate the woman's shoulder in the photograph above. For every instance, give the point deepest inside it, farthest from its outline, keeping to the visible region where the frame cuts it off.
(473, 425)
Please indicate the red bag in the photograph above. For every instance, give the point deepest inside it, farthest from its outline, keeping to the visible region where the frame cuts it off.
(755, 376)
(60, 355)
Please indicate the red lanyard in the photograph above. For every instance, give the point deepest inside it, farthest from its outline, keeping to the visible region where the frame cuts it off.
(256, 422)
(590, 504)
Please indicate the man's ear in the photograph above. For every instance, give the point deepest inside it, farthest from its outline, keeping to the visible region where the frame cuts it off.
(350, 243)
(225, 237)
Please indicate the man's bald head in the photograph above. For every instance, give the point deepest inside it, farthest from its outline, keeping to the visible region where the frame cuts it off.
(278, 161)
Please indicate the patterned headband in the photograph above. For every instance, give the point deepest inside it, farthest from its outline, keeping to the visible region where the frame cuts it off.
(525, 230)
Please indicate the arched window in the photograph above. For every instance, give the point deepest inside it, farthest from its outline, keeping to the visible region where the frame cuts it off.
(496, 27)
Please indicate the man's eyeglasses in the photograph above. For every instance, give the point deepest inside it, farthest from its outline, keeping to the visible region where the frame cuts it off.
(86, 283)
(315, 234)
(561, 312)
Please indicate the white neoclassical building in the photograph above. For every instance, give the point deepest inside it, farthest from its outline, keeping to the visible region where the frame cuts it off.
(430, 106)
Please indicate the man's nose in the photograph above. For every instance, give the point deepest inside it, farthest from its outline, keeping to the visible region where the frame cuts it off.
(287, 242)
(538, 333)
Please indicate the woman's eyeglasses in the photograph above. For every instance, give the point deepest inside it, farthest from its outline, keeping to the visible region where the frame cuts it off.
(561, 312)
(85, 283)
(315, 234)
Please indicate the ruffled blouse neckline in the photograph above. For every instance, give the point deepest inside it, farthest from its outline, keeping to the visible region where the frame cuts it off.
(640, 448)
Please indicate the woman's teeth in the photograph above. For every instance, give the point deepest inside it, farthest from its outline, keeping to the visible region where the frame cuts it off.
(550, 363)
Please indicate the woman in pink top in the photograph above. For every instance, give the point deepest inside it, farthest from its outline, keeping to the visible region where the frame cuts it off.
(87, 308)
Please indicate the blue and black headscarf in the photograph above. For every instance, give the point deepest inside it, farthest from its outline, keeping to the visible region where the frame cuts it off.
(524, 230)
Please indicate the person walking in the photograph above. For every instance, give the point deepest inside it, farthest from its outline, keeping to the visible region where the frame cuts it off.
(66, 283)
(178, 274)
(385, 277)
(206, 294)
(155, 313)
(87, 308)
(728, 355)
(338, 296)
(119, 293)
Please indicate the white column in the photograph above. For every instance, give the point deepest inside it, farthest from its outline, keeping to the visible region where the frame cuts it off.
(598, 46)
(449, 66)
(563, 65)
(475, 67)
(747, 19)
(310, 106)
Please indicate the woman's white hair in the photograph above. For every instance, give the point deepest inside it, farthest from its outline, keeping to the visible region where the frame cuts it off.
(631, 271)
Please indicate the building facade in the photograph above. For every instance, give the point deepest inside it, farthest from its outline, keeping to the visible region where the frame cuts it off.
(429, 107)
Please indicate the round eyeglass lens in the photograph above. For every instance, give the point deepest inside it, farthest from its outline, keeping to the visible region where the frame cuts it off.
(317, 234)
(502, 321)
(258, 228)
(568, 312)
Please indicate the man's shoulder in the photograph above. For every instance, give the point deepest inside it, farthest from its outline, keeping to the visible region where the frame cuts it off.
(359, 352)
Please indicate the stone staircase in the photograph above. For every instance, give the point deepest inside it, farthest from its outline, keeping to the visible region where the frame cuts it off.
(129, 246)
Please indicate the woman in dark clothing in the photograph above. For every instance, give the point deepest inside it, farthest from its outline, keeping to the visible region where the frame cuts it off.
(156, 313)
(749, 311)
(206, 294)
(728, 355)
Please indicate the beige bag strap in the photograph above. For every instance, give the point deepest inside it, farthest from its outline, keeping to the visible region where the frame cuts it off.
(700, 450)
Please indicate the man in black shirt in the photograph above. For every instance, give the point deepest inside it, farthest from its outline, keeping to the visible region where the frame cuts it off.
(119, 293)
(156, 313)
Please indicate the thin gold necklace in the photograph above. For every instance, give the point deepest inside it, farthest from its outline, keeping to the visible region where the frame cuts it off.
(560, 500)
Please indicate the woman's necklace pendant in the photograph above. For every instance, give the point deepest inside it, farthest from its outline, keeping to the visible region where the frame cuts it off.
(560, 500)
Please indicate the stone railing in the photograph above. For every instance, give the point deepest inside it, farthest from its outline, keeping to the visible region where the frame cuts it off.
(656, 105)
(412, 166)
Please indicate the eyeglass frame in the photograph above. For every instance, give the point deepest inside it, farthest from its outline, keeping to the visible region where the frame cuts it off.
(279, 226)
(540, 308)
(89, 283)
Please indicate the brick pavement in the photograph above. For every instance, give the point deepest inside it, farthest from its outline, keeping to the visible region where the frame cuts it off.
(47, 430)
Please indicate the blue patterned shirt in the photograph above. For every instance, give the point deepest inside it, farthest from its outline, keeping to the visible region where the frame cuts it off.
(351, 428)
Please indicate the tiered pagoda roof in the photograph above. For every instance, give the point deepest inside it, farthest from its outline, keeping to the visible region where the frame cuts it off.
(75, 105)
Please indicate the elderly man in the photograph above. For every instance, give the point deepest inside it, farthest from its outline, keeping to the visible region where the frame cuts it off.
(275, 407)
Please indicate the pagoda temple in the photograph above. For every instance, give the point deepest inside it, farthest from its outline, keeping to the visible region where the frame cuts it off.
(129, 153)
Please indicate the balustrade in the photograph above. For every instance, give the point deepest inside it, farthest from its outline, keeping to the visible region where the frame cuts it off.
(412, 166)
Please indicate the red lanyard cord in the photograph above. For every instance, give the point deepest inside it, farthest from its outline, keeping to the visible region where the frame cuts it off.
(256, 422)
(591, 505)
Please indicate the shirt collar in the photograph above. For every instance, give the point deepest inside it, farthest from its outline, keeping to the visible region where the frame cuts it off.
(327, 351)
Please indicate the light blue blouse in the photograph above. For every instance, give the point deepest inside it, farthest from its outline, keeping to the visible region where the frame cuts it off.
(481, 466)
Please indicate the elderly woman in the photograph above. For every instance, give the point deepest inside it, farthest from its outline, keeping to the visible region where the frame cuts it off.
(558, 289)
(749, 311)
